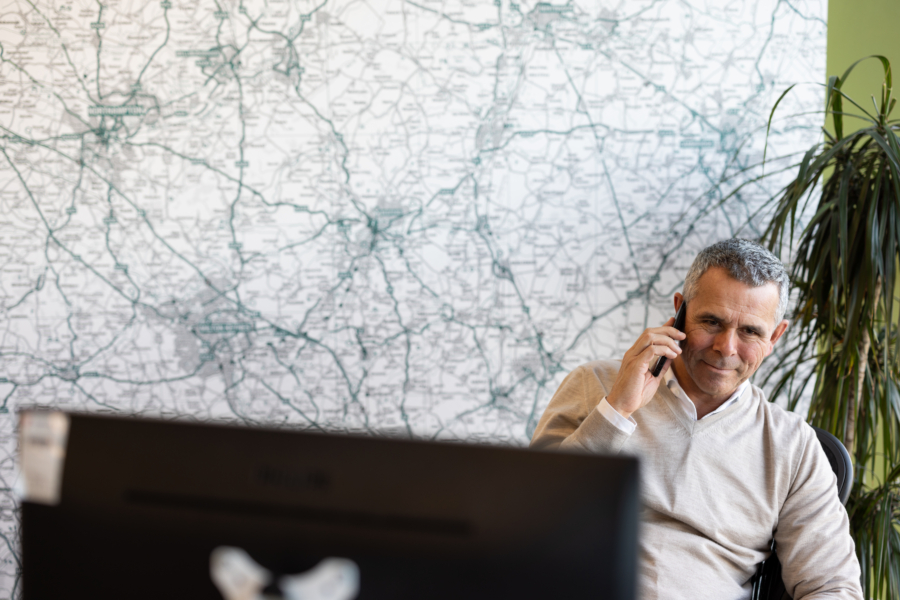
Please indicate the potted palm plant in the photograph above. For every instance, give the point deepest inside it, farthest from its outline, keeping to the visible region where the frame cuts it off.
(840, 220)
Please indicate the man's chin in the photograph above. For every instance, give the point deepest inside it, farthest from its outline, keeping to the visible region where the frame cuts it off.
(721, 392)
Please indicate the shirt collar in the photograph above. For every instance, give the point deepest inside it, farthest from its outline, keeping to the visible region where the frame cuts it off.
(688, 405)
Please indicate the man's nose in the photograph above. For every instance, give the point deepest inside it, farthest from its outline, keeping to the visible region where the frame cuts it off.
(726, 342)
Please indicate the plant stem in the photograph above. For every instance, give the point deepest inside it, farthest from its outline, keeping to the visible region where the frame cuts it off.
(856, 394)
(856, 404)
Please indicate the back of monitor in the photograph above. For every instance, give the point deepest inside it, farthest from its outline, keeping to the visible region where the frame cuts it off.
(143, 505)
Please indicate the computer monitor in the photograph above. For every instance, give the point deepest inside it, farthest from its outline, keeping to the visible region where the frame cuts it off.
(143, 503)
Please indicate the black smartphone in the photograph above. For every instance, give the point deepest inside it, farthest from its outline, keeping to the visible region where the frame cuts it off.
(679, 325)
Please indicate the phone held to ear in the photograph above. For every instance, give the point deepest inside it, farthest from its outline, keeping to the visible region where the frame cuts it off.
(679, 325)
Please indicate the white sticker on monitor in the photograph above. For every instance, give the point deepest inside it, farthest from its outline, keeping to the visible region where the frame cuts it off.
(331, 579)
(42, 454)
(238, 577)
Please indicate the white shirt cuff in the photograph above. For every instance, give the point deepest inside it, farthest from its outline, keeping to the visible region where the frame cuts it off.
(612, 415)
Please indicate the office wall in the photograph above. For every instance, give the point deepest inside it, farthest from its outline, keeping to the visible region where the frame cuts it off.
(856, 30)
(405, 217)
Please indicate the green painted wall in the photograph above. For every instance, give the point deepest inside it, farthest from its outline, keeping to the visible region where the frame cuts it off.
(858, 28)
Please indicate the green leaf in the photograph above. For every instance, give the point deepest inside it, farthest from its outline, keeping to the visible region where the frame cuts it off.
(769, 124)
(890, 155)
(833, 98)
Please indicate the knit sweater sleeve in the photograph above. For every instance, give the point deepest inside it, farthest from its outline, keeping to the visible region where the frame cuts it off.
(814, 546)
(571, 420)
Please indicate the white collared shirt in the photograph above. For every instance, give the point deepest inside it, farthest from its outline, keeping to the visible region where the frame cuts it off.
(687, 405)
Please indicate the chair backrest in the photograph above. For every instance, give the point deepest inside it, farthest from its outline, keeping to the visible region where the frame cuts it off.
(840, 462)
(767, 583)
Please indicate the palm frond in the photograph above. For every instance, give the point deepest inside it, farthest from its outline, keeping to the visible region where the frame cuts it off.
(846, 259)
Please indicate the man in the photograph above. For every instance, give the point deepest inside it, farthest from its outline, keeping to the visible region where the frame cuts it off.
(723, 470)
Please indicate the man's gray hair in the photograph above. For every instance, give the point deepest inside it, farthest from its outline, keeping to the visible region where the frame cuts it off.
(746, 261)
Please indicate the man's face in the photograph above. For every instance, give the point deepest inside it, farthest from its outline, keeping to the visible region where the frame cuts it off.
(730, 329)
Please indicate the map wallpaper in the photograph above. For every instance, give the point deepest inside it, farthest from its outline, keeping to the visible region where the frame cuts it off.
(392, 217)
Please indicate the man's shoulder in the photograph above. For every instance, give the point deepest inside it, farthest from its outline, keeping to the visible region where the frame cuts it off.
(784, 426)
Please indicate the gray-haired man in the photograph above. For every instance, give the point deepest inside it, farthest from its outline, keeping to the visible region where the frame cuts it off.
(723, 469)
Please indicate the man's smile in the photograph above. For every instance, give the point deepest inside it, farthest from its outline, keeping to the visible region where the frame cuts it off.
(715, 369)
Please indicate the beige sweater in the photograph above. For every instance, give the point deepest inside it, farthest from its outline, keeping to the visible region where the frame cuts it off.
(716, 490)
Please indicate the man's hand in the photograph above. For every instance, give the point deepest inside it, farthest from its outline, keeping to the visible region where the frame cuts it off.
(635, 384)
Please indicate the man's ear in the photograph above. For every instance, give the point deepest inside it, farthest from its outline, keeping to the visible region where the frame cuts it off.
(678, 300)
(777, 333)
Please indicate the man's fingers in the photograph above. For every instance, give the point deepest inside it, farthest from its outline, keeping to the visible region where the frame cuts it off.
(652, 353)
(665, 350)
(671, 332)
(652, 334)
(646, 359)
(656, 336)
(661, 340)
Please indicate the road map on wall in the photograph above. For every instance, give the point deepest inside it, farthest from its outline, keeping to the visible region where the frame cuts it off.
(398, 217)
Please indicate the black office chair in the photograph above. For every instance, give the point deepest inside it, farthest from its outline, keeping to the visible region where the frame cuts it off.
(767, 583)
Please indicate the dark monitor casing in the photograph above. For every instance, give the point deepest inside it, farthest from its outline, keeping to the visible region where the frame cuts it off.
(144, 502)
